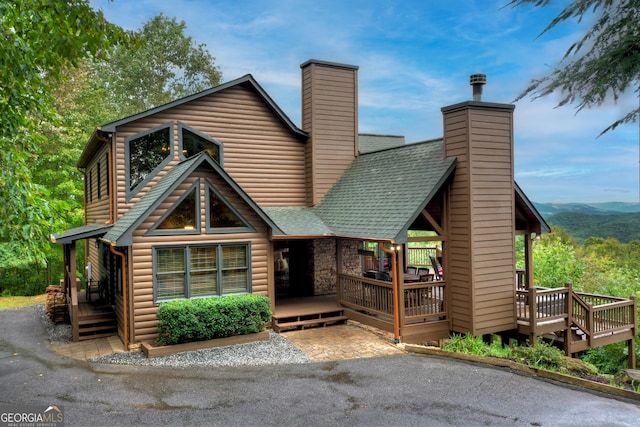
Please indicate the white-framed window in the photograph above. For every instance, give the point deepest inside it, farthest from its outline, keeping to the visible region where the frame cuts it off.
(191, 271)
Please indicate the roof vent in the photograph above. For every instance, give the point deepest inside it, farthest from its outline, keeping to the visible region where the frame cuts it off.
(477, 81)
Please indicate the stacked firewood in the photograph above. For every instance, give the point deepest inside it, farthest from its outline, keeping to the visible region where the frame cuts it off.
(56, 304)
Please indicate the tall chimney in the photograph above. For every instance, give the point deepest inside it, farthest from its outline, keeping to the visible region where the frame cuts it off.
(477, 81)
(481, 221)
(330, 115)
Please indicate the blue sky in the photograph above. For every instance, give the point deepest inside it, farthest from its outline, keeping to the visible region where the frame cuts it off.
(415, 57)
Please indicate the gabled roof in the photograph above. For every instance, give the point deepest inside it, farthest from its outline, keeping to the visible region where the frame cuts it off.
(298, 221)
(122, 232)
(527, 209)
(383, 192)
(246, 81)
(80, 233)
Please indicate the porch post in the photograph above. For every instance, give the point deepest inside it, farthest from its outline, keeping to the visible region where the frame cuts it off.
(528, 256)
(395, 290)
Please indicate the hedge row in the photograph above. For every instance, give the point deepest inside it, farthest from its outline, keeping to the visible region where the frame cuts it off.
(202, 319)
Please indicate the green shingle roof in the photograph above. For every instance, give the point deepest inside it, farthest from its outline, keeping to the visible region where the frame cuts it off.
(372, 142)
(298, 221)
(79, 233)
(383, 192)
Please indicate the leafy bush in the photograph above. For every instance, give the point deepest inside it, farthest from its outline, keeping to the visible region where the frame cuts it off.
(468, 344)
(540, 355)
(609, 359)
(208, 318)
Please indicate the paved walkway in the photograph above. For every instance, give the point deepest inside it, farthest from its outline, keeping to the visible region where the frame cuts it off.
(340, 342)
(83, 350)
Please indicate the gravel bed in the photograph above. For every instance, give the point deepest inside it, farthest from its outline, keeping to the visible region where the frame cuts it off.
(276, 351)
(58, 333)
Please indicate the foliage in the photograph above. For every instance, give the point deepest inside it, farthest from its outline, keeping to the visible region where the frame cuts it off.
(624, 227)
(555, 262)
(40, 39)
(540, 355)
(609, 359)
(603, 64)
(164, 65)
(468, 344)
(208, 318)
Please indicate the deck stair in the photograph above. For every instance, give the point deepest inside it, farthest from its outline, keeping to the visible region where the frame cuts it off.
(97, 326)
(301, 321)
(307, 312)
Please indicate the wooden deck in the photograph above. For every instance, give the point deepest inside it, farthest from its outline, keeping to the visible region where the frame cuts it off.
(580, 321)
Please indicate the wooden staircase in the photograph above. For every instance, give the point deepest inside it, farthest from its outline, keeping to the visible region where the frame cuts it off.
(97, 325)
(300, 313)
(322, 318)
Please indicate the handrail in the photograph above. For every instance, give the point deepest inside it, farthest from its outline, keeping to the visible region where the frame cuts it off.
(608, 315)
(73, 313)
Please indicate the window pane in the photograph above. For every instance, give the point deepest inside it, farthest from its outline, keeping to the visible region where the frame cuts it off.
(193, 144)
(170, 276)
(203, 271)
(220, 215)
(183, 216)
(146, 153)
(235, 271)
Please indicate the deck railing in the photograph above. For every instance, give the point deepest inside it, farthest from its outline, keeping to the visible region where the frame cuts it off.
(72, 307)
(364, 294)
(599, 317)
(422, 301)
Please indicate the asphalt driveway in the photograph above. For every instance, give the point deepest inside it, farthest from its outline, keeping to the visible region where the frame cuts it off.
(392, 390)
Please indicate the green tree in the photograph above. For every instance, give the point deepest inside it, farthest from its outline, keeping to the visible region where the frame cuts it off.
(40, 39)
(603, 64)
(164, 65)
(555, 262)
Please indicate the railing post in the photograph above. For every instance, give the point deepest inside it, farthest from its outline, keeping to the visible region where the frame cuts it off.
(532, 315)
(632, 342)
(568, 309)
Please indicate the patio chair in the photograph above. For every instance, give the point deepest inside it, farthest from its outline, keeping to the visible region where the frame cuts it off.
(383, 275)
(413, 270)
(92, 287)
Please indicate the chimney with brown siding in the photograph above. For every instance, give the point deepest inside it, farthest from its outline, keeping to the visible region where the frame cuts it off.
(480, 245)
(330, 116)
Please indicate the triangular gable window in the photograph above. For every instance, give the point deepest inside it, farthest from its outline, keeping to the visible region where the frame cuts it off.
(222, 217)
(146, 154)
(183, 217)
(193, 142)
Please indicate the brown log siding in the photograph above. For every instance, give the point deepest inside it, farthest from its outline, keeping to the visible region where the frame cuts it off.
(144, 309)
(259, 152)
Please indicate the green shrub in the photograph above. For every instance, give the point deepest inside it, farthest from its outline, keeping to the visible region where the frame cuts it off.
(540, 355)
(202, 319)
(609, 359)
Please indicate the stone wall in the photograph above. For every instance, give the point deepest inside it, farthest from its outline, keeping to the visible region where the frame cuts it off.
(324, 268)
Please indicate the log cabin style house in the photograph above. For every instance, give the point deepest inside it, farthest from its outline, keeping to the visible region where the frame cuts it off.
(220, 193)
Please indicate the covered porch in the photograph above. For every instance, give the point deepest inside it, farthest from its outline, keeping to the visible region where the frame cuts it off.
(90, 302)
